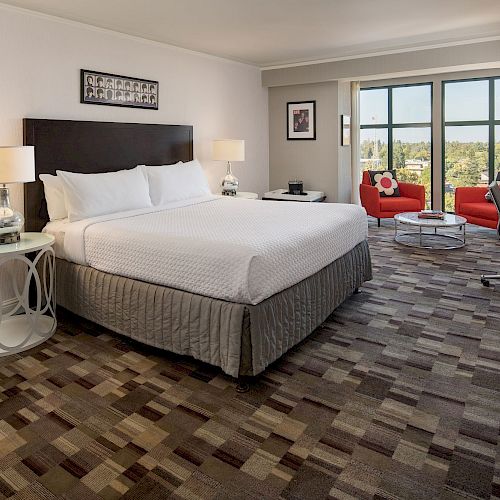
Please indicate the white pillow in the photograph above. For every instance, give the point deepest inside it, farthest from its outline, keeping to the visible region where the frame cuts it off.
(90, 195)
(54, 196)
(147, 168)
(168, 183)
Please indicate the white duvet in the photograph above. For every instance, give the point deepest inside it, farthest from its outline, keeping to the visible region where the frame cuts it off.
(232, 249)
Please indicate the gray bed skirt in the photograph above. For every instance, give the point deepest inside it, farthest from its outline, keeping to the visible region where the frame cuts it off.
(242, 339)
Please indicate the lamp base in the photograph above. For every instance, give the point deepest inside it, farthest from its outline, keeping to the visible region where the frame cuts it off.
(8, 238)
(11, 222)
(230, 183)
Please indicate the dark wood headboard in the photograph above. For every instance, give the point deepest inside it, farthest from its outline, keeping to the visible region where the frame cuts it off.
(95, 147)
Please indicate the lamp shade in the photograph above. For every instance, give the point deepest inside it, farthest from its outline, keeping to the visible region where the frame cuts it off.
(17, 164)
(229, 150)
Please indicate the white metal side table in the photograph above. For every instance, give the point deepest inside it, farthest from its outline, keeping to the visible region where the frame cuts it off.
(26, 325)
(432, 240)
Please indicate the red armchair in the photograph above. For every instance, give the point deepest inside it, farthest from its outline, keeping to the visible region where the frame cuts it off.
(471, 204)
(412, 199)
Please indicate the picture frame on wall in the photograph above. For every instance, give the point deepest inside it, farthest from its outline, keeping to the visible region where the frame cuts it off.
(345, 130)
(117, 90)
(301, 120)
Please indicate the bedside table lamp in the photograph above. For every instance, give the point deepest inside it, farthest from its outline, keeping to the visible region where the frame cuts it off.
(229, 150)
(17, 165)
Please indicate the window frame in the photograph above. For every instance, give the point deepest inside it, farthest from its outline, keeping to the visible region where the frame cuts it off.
(390, 125)
(490, 122)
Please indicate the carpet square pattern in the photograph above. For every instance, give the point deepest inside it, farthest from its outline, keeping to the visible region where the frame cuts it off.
(396, 395)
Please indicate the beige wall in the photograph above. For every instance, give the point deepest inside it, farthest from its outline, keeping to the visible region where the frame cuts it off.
(41, 58)
(323, 164)
(315, 161)
(430, 61)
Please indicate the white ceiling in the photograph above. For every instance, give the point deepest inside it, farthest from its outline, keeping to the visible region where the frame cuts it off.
(273, 32)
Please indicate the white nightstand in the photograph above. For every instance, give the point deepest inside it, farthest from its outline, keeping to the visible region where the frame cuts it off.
(307, 196)
(245, 194)
(23, 327)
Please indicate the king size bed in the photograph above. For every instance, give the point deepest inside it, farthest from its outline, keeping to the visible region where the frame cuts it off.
(234, 283)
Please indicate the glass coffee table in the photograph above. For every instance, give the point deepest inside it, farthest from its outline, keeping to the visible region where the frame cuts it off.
(412, 231)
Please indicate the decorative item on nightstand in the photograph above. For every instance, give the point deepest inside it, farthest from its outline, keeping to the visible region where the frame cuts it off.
(17, 165)
(229, 150)
(295, 187)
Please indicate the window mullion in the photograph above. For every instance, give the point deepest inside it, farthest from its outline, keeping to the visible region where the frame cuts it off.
(412, 125)
(389, 129)
(491, 148)
(467, 123)
(377, 125)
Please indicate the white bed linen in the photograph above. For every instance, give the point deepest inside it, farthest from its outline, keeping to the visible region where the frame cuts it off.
(232, 249)
(58, 229)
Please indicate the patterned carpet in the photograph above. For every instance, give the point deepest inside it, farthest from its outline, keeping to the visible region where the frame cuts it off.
(397, 395)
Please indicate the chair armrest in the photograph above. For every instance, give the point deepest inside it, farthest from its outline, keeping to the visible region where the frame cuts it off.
(416, 191)
(469, 195)
(370, 199)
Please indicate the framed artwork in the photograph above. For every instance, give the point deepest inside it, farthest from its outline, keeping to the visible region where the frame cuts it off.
(346, 130)
(301, 120)
(117, 90)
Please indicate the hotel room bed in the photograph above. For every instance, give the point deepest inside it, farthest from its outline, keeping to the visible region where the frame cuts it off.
(234, 283)
(261, 265)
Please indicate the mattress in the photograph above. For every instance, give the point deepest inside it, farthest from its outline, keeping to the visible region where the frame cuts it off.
(237, 250)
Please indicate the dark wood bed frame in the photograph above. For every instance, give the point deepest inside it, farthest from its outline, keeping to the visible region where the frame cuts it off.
(94, 147)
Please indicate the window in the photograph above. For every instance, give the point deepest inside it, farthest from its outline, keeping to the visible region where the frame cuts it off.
(396, 132)
(373, 106)
(471, 135)
(497, 125)
(497, 99)
(374, 148)
(497, 148)
(466, 101)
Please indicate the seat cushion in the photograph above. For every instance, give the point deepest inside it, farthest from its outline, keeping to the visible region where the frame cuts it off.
(483, 210)
(399, 204)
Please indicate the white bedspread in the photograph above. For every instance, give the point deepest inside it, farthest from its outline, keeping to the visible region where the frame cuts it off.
(232, 249)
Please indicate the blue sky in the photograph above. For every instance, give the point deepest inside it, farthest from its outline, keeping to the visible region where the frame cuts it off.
(463, 101)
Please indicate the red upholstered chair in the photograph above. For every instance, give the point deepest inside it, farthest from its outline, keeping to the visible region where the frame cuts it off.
(412, 199)
(471, 204)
